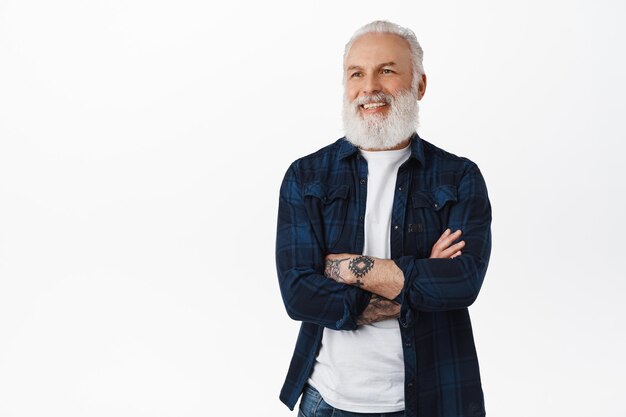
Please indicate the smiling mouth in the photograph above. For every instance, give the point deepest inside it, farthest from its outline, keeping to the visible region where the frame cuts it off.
(368, 106)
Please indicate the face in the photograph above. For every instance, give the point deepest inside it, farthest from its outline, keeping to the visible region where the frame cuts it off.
(378, 63)
(380, 110)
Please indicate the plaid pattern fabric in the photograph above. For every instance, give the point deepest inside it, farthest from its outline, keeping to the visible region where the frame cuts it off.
(321, 211)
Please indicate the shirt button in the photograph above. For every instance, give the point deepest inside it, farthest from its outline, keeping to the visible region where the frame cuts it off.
(409, 385)
(362, 181)
(395, 227)
(407, 344)
(360, 218)
(400, 188)
(436, 205)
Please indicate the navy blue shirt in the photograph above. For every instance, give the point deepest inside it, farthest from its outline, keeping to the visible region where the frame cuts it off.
(322, 210)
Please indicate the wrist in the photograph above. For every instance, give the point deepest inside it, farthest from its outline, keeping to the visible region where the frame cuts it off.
(358, 267)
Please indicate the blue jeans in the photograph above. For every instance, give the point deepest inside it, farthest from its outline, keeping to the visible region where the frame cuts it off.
(312, 405)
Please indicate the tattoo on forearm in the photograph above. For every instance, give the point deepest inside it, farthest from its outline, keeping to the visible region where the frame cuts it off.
(332, 269)
(360, 266)
(379, 309)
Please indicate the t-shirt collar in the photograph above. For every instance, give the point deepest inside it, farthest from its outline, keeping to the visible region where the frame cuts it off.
(346, 148)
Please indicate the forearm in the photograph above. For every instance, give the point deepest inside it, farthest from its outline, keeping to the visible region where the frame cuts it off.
(448, 284)
(378, 276)
(442, 284)
(431, 284)
(307, 294)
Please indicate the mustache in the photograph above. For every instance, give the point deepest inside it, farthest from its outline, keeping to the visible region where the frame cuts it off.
(373, 98)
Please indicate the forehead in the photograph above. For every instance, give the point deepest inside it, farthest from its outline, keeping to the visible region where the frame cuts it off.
(376, 48)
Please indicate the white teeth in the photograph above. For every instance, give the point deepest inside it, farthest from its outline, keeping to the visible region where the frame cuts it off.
(368, 106)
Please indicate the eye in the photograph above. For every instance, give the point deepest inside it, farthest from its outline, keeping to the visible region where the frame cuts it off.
(387, 71)
(355, 74)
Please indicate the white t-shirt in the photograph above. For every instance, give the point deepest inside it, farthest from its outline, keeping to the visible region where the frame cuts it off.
(362, 370)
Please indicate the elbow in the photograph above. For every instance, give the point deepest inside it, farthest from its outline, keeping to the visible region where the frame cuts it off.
(473, 284)
(475, 269)
(462, 298)
(451, 292)
(289, 289)
(293, 313)
(470, 298)
(291, 306)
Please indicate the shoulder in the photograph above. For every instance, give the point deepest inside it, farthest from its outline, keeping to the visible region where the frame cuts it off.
(435, 153)
(317, 169)
(438, 159)
(323, 162)
(326, 155)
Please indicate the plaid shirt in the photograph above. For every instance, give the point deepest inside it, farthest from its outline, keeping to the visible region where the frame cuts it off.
(321, 211)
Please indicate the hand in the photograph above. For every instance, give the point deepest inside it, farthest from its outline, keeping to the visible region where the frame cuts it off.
(444, 248)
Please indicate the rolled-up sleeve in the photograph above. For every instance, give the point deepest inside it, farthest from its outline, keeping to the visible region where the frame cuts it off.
(447, 284)
(307, 294)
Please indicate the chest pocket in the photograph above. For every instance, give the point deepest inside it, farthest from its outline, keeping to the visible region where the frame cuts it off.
(429, 217)
(327, 207)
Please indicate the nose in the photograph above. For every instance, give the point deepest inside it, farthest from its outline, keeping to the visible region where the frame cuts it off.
(371, 84)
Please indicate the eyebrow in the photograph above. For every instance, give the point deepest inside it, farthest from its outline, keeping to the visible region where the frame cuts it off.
(384, 64)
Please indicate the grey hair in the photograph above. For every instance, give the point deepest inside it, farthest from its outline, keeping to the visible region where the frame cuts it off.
(383, 26)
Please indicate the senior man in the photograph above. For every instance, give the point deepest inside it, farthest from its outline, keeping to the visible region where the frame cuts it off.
(369, 255)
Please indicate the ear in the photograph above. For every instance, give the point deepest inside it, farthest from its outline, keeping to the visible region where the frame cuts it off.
(421, 88)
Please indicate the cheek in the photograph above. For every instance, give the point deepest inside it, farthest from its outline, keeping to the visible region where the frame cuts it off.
(352, 93)
(398, 85)
(353, 88)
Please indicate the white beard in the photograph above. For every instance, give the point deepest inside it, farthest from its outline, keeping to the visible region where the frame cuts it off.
(378, 131)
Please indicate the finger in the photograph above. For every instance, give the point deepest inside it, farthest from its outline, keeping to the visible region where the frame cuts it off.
(443, 235)
(455, 255)
(444, 244)
(434, 251)
(446, 241)
(447, 235)
(452, 250)
(448, 252)
(456, 233)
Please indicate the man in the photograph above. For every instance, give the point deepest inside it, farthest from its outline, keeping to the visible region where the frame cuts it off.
(368, 251)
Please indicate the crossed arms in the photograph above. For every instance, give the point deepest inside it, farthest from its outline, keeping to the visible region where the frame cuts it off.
(444, 281)
(382, 277)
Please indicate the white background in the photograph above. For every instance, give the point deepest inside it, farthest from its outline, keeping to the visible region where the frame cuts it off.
(142, 145)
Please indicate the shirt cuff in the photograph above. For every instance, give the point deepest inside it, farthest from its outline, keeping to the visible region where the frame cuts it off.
(355, 303)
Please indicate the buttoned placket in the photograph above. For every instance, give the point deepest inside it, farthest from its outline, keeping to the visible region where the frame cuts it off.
(407, 318)
(361, 179)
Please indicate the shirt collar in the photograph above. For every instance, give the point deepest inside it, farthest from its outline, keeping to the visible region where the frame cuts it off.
(417, 148)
